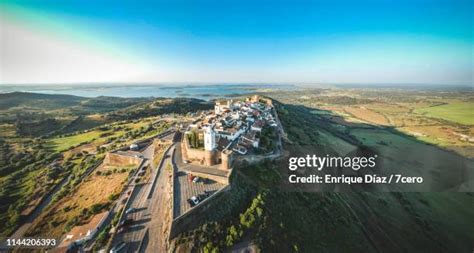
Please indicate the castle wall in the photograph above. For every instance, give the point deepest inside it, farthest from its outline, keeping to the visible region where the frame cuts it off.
(204, 157)
(209, 158)
(226, 158)
(193, 154)
(220, 179)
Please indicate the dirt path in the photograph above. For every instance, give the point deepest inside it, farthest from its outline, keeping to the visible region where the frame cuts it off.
(21, 231)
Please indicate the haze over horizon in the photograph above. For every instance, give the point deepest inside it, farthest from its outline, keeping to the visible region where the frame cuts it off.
(363, 42)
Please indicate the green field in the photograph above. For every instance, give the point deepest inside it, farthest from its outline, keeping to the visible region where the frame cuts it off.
(64, 143)
(460, 112)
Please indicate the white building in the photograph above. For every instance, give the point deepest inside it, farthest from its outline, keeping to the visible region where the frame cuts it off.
(209, 139)
(232, 134)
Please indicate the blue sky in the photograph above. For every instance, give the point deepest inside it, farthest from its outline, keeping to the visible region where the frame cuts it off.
(238, 41)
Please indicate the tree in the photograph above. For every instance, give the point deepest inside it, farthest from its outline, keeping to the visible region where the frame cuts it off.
(232, 236)
(193, 139)
(210, 248)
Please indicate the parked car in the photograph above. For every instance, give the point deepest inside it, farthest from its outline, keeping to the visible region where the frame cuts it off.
(130, 210)
(193, 201)
(196, 179)
(118, 247)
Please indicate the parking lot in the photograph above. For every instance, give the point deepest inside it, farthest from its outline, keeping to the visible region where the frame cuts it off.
(184, 189)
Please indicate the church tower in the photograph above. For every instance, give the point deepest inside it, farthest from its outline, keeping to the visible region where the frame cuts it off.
(209, 146)
(209, 139)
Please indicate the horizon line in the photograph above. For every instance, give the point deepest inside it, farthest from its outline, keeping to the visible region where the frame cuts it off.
(235, 83)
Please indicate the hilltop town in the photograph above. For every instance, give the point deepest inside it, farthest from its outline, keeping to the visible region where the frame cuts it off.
(233, 128)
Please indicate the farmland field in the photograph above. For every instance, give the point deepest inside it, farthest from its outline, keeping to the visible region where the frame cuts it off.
(442, 119)
(64, 143)
(459, 112)
(97, 136)
(367, 115)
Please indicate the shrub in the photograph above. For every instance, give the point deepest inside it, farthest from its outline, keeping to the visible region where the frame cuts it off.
(96, 208)
(113, 196)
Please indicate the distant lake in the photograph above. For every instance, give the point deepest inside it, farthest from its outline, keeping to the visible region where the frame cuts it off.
(205, 92)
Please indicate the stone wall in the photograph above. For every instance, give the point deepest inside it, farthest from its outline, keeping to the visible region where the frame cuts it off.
(226, 160)
(203, 157)
(219, 179)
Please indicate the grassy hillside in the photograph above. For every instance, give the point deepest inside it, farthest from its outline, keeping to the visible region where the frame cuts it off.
(35, 115)
(40, 101)
(161, 106)
(25, 100)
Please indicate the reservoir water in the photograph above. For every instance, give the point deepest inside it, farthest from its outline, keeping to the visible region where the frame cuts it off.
(202, 91)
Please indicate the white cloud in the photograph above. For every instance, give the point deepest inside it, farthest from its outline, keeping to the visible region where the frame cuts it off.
(28, 56)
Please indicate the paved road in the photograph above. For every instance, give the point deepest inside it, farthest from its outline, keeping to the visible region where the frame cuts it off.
(160, 208)
(147, 229)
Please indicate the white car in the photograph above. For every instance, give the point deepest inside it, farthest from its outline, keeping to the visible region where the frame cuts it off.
(194, 200)
(196, 179)
(130, 210)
